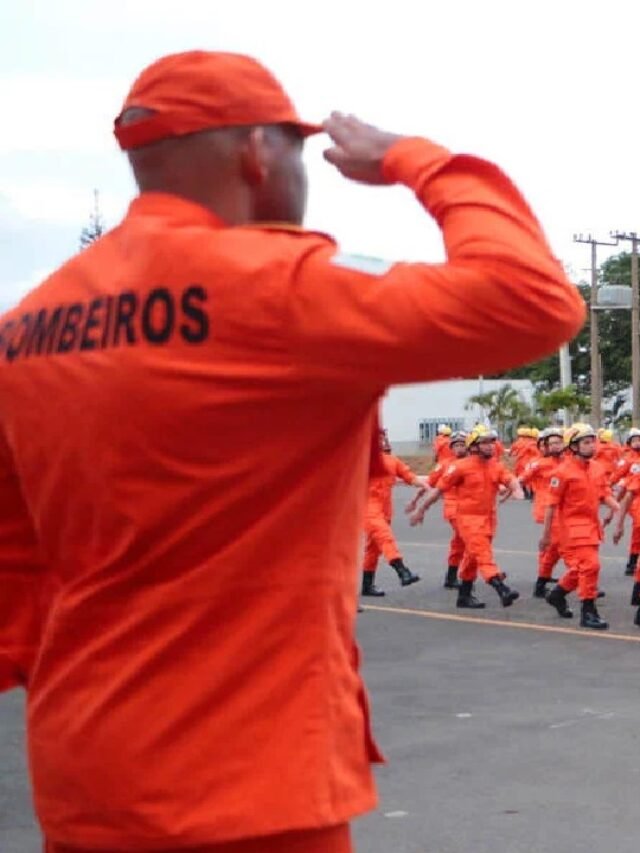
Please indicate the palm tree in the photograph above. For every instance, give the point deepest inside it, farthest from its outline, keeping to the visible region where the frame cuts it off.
(503, 407)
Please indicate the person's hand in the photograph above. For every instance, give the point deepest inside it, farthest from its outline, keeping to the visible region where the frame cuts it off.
(606, 521)
(544, 542)
(618, 533)
(417, 518)
(358, 148)
(413, 503)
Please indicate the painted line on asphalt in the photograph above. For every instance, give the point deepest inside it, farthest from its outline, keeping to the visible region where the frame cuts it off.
(619, 559)
(501, 623)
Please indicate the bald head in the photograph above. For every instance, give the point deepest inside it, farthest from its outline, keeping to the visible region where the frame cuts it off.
(242, 174)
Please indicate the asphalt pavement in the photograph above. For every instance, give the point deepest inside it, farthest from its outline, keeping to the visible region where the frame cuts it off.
(506, 730)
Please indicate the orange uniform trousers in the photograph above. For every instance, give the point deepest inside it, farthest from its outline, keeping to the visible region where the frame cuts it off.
(477, 532)
(456, 545)
(379, 540)
(334, 839)
(548, 558)
(583, 570)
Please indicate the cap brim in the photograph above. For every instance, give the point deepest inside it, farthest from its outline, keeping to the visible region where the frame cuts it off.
(309, 129)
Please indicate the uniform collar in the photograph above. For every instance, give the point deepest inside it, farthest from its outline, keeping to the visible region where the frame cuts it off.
(174, 209)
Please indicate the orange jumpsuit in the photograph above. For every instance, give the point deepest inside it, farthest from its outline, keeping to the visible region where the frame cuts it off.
(527, 452)
(477, 482)
(632, 485)
(202, 571)
(537, 476)
(441, 449)
(577, 488)
(608, 456)
(449, 511)
(379, 512)
(624, 468)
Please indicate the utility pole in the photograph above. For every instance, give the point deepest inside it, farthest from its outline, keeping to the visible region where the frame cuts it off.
(635, 324)
(565, 378)
(596, 378)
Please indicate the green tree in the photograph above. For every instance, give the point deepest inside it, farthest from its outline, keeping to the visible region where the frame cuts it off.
(550, 403)
(615, 342)
(503, 407)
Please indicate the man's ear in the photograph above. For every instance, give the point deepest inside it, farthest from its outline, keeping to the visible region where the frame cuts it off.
(254, 157)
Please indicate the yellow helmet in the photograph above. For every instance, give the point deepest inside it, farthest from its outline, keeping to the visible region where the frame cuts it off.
(522, 431)
(605, 435)
(444, 429)
(480, 431)
(534, 432)
(577, 432)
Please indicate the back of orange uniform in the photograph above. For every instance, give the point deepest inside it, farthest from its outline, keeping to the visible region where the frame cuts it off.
(131, 384)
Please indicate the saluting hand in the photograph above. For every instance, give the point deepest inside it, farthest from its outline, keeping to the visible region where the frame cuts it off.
(358, 149)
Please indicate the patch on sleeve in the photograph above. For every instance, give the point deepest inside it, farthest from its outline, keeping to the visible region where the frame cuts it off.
(362, 263)
(554, 482)
(635, 468)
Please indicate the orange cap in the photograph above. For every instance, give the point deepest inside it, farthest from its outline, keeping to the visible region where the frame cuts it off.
(200, 90)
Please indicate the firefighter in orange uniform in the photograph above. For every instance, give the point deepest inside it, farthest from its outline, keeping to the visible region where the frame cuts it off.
(576, 490)
(537, 476)
(206, 577)
(477, 480)
(630, 504)
(630, 457)
(441, 449)
(379, 512)
(456, 546)
(609, 452)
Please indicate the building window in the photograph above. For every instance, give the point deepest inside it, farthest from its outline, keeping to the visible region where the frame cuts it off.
(428, 427)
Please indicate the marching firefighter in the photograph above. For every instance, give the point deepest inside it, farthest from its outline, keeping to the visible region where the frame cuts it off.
(630, 457)
(458, 450)
(477, 480)
(441, 449)
(537, 476)
(576, 490)
(379, 512)
(631, 505)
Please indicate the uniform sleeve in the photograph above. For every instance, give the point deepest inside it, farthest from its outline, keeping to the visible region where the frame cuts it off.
(501, 299)
(529, 473)
(451, 477)
(434, 476)
(403, 472)
(25, 586)
(506, 476)
(619, 471)
(632, 482)
(557, 488)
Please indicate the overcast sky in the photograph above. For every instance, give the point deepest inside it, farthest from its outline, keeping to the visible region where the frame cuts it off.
(548, 89)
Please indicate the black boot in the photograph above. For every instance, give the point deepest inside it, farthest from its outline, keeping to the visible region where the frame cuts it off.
(406, 575)
(368, 584)
(631, 564)
(506, 594)
(466, 598)
(557, 598)
(636, 621)
(540, 589)
(451, 578)
(635, 595)
(590, 618)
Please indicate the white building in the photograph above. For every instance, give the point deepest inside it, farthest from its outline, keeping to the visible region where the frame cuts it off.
(411, 413)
